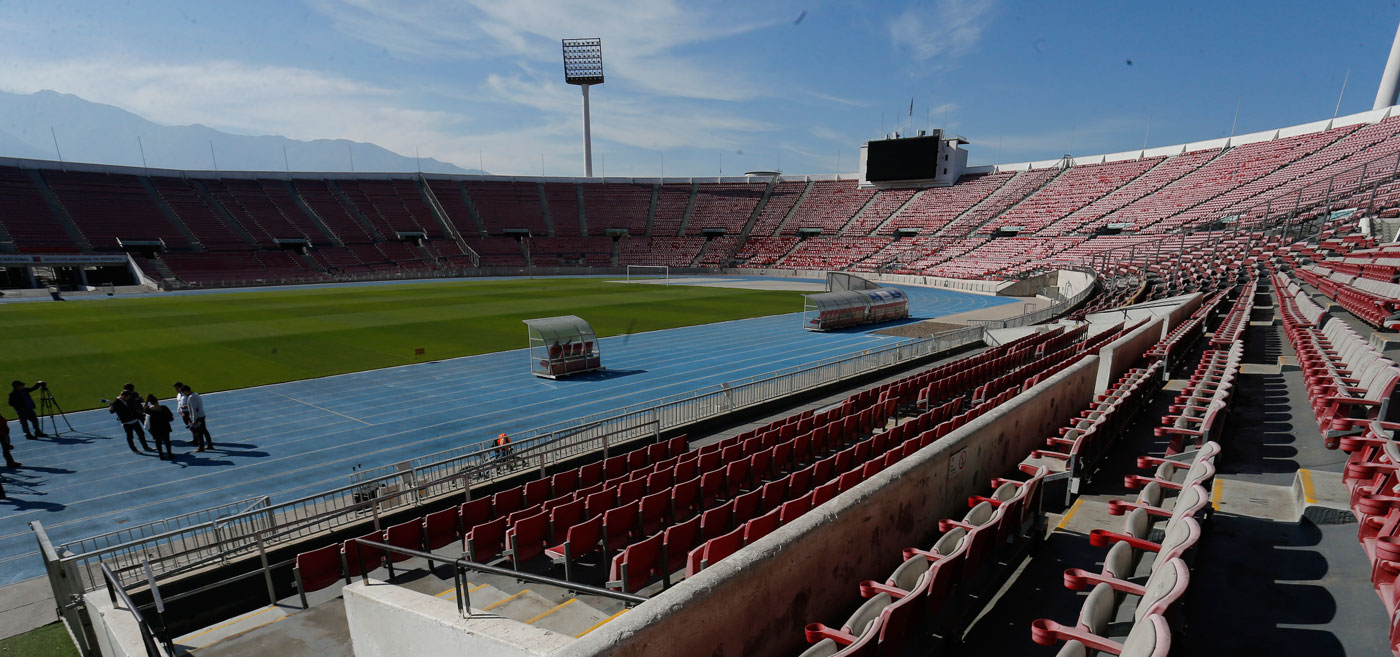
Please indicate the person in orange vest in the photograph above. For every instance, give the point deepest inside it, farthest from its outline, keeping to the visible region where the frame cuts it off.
(502, 446)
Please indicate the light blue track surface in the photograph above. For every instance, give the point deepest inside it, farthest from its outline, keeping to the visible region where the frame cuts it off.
(294, 439)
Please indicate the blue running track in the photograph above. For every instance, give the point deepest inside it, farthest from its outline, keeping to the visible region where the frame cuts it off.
(294, 439)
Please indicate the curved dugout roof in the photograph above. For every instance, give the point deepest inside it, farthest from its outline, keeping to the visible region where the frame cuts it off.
(565, 328)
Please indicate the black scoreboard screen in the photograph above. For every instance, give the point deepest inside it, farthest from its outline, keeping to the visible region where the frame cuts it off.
(908, 158)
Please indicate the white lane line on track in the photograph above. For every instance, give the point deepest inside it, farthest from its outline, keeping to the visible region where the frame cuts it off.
(322, 408)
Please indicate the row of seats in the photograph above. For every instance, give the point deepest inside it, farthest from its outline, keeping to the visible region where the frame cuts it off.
(1237, 319)
(764, 484)
(1375, 302)
(1079, 447)
(917, 601)
(1370, 475)
(1184, 336)
(317, 569)
(1197, 414)
(1349, 382)
(1146, 570)
(930, 593)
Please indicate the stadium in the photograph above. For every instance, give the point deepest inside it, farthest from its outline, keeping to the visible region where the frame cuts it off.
(1130, 403)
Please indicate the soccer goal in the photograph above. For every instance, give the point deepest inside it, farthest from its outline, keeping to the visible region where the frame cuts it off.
(648, 273)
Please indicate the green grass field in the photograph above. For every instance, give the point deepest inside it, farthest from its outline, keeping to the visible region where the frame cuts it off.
(87, 349)
(48, 641)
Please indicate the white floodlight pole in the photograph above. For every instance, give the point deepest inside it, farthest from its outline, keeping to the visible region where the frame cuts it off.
(1390, 80)
(583, 66)
(587, 135)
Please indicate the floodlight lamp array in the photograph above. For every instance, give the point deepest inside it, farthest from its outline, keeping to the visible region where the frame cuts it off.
(583, 61)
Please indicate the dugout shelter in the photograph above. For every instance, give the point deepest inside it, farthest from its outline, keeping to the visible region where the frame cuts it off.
(560, 346)
(850, 301)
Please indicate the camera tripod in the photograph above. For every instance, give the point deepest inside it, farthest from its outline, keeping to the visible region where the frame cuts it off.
(49, 408)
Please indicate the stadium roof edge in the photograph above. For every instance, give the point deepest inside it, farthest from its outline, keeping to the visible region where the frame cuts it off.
(1369, 116)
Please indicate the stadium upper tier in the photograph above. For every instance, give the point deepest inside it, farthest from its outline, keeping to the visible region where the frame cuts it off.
(241, 227)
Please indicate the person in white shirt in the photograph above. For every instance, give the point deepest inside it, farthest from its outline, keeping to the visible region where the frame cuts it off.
(180, 407)
(194, 405)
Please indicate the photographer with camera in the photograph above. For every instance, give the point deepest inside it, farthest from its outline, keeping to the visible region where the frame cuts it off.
(23, 403)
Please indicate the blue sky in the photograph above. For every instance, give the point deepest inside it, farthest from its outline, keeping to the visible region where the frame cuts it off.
(700, 87)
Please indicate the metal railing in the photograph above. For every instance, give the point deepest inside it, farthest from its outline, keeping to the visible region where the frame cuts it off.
(117, 593)
(202, 519)
(1044, 314)
(459, 578)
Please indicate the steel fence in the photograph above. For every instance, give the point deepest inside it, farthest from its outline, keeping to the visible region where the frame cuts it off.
(1044, 314)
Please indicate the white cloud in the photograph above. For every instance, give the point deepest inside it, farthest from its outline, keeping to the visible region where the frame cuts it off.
(942, 30)
(640, 39)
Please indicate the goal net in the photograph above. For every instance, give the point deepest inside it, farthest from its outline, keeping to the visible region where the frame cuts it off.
(648, 273)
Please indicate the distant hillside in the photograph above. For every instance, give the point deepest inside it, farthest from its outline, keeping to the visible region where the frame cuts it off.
(93, 132)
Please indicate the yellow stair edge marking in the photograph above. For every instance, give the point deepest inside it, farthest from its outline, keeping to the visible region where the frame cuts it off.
(453, 591)
(1073, 509)
(191, 637)
(1309, 495)
(1219, 490)
(501, 602)
(556, 608)
(600, 623)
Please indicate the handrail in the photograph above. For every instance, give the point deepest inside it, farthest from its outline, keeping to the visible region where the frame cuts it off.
(114, 590)
(463, 564)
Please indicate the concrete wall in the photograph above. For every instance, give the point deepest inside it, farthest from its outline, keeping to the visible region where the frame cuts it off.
(961, 285)
(392, 621)
(1174, 310)
(756, 602)
(118, 634)
(1119, 356)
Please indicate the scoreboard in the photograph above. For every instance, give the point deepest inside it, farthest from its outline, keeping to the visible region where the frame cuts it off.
(906, 158)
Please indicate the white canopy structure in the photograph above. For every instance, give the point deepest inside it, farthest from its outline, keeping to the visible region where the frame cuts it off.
(563, 345)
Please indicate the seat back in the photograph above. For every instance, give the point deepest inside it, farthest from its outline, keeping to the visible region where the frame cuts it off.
(677, 542)
(407, 535)
(619, 525)
(722, 546)
(318, 568)
(685, 498)
(527, 537)
(652, 511)
(439, 528)
(599, 502)
(474, 512)
(508, 501)
(356, 554)
(564, 482)
(537, 491)
(564, 516)
(585, 537)
(635, 566)
(761, 526)
(485, 541)
(793, 509)
(748, 506)
(716, 520)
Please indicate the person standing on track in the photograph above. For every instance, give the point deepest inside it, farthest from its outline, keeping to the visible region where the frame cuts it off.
(180, 406)
(23, 403)
(130, 413)
(195, 405)
(10, 461)
(158, 421)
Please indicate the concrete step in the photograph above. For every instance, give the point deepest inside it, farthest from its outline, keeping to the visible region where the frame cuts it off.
(1317, 495)
(569, 615)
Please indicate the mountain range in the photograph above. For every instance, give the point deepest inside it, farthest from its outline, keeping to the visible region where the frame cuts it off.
(104, 134)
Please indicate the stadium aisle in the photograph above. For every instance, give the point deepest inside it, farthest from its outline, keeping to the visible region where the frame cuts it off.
(294, 439)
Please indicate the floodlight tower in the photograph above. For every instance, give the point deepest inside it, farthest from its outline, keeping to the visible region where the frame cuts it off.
(583, 66)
